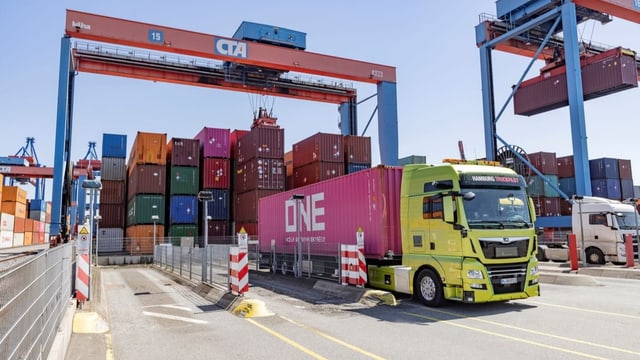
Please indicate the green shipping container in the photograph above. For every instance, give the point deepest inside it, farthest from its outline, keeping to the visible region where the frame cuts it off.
(141, 209)
(183, 180)
(179, 231)
(536, 186)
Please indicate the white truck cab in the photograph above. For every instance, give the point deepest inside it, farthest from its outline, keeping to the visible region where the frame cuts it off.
(603, 224)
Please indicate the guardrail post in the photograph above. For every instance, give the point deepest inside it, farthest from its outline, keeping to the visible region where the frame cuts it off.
(573, 251)
(628, 247)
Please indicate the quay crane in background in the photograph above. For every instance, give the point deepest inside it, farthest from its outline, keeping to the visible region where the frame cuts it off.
(92, 164)
(26, 156)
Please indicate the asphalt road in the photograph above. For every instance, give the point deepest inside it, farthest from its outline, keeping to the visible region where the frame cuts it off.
(151, 316)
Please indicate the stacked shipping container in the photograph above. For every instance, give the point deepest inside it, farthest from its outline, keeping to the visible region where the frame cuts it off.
(113, 199)
(146, 190)
(215, 155)
(259, 172)
(317, 158)
(17, 229)
(183, 164)
(546, 199)
(357, 153)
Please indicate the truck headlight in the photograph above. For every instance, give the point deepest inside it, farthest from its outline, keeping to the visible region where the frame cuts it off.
(475, 274)
(533, 270)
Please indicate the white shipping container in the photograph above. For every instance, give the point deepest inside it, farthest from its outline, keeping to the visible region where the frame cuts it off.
(110, 239)
(18, 239)
(6, 222)
(6, 238)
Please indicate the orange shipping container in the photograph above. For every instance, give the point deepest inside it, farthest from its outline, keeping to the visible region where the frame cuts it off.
(28, 225)
(18, 225)
(14, 193)
(17, 209)
(139, 238)
(148, 148)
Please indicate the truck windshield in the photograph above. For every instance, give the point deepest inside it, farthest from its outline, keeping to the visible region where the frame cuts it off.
(496, 208)
(627, 220)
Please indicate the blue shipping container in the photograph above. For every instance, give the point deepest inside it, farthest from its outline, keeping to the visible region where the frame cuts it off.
(37, 205)
(183, 209)
(219, 207)
(114, 145)
(604, 168)
(353, 167)
(568, 185)
(606, 188)
(626, 189)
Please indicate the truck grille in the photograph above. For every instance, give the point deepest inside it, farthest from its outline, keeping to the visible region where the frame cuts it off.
(504, 248)
(507, 278)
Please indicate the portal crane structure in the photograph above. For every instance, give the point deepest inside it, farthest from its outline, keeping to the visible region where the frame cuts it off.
(250, 63)
(531, 28)
(92, 164)
(30, 157)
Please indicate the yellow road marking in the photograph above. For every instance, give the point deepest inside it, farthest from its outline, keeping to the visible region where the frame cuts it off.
(538, 332)
(287, 340)
(449, 322)
(109, 344)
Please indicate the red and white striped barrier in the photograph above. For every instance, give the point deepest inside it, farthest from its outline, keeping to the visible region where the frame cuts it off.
(353, 265)
(238, 270)
(82, 277)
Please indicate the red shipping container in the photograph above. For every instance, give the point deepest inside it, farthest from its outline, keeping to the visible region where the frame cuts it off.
(319, 147)
(85, 163)
(547, 206)
(357, 149)
(624, 169)
(113, 192)
(147, 179)
(260, 173)
(566, 167)
(261, 141)
(245, 205)
(148, 148)
(333, 210)
(565, 208)
(233, 141)
(251, 228)
(183, 152)
(219, 232)
(216, 173)
(214, 142)
(113, 215)
(288, 163)
(315, 172)
(603, 74)
(545, 162)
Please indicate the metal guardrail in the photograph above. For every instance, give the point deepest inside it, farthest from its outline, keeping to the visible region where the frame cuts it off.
(33, 299)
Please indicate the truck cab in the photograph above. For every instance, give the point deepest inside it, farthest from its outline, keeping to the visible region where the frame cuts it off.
(601, 225)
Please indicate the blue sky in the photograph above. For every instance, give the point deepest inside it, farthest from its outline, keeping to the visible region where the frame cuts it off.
(431, 44)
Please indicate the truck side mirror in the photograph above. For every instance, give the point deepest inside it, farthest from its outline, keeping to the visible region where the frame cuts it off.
(447, 204)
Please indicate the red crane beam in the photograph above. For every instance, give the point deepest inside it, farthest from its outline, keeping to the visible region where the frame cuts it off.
(623, 9)
(155, 37)
(29, 172)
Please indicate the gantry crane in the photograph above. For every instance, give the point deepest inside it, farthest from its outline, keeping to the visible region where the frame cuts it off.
(532, 28)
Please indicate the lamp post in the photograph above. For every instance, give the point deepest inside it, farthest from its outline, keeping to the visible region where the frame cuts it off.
(298, 263)
(97, 218)
(92, 186)
(205, 196)
(583, 253)
(155, 219)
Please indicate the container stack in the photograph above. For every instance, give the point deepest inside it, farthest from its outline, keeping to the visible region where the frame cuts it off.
(183, 164)
(605, 178)
(259, 172)
(14, 213)
(626, 179)
(146, 188)
(566, 181)
(317, 158)
(113, 200)
(357, 153)
(546, 199)
(215, 155)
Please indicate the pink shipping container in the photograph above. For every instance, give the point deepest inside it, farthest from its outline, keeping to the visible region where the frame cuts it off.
(260, 173)
(315, 172)
(357, 149)
(333, 210)
(319, 147)
(261, 141)
(245, 205)
(214, 142)
(147, 179)
(216, 173)
(566, 168)
(113, 192)
(112, 215)
(148, 148)
(183, 152)
(233, 141)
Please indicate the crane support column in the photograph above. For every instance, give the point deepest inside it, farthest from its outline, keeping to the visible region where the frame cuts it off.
(348, 117)
(488, 103)
(63, 139)
(388, 122)
(576, 99)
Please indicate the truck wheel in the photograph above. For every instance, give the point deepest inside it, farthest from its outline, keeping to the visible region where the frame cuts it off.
(594, 256)
(541, 256)
(428, 288)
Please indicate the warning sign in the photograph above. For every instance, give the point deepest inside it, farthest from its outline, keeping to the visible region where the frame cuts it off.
(83, 243)
(84, 231)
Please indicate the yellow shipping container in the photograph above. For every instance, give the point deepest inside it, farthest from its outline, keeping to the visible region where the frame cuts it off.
(17, 209)
(28, 238)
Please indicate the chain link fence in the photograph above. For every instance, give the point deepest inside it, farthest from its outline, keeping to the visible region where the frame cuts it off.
(33, 299)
